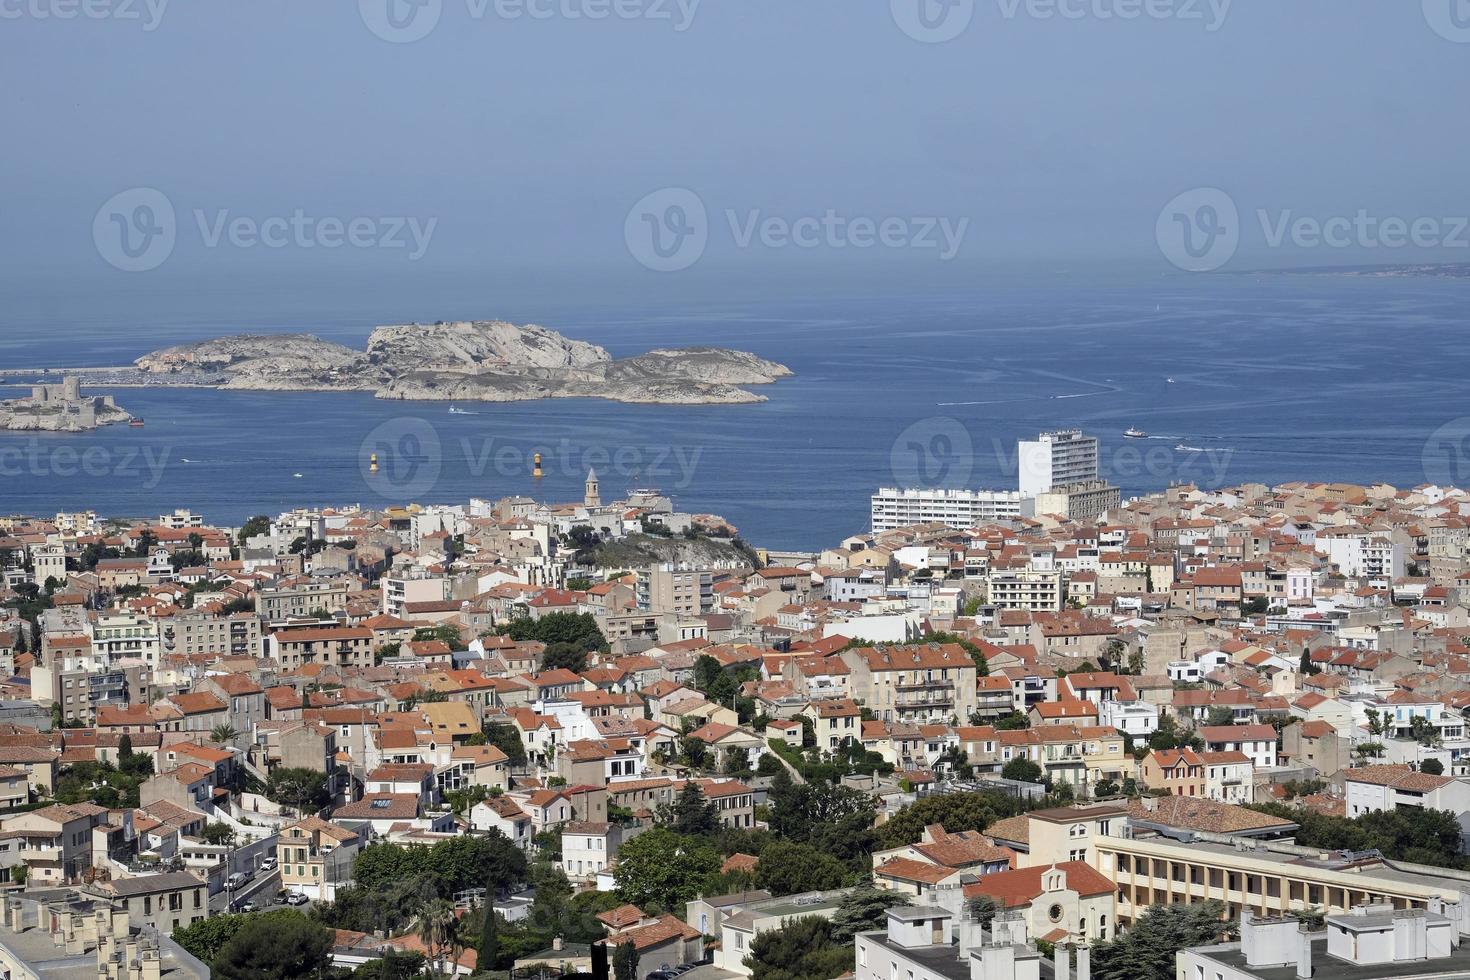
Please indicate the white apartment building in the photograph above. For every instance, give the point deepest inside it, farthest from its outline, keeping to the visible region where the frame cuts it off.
(125, 636)
(399, 591)
(1056, 459)
(894, 508)
(1363, 553)
(1025, 589)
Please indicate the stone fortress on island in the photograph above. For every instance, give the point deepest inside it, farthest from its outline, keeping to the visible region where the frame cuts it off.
(60, 408)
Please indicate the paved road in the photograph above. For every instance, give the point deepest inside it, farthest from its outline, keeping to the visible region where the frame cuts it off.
(260, 890)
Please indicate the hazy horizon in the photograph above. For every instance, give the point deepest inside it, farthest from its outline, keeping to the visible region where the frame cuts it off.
(830, 147)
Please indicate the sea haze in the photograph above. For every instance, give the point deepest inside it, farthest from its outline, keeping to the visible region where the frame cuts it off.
(1273, 379)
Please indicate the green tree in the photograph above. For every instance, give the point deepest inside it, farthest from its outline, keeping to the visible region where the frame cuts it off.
(217, 832)
(489, 945)
(1021, 769)
(1014, 721)
(561, 655)
(1432, 767)
(223, 734)
(864, 909)
(438, 928)
(691, 813)
(803, 949)
(661, 869)
(297, 787)
(255, 526)
(955, 811)
(625, 962)
(1146, 951)
(578, 629)
(788, 867)
(276, 946)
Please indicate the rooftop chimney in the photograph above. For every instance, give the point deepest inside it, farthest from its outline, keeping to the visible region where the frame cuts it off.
(1062, 957)
(1084, 962)
(1303, 954)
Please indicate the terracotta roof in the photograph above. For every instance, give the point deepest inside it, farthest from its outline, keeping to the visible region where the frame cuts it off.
(1021, 886)
(908, 869)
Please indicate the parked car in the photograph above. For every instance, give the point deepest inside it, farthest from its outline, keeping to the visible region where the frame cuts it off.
(269, 864)
(248, 907)
(296, 898)
(236, 880)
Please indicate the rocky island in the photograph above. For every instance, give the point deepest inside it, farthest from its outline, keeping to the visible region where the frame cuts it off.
(60, 408)
(465, 361)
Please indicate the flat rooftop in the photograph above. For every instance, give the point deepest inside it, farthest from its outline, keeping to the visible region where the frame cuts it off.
(1456, 966)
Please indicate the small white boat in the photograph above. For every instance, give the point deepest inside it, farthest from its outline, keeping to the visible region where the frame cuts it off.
(1169, 380)
(1135, 434)
(296, 475)
(456, 410)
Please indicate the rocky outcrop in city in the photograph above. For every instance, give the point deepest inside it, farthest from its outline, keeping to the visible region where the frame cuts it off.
(466, 361)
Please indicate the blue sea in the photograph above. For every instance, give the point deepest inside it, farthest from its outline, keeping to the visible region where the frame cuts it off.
(1261, 378)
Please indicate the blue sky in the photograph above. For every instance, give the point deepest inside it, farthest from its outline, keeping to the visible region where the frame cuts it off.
(526, 140)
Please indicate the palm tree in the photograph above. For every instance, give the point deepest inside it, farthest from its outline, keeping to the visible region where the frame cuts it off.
(223, 733)
(438, 928)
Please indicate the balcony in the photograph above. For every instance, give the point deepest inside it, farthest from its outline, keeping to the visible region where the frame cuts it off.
(923, 684)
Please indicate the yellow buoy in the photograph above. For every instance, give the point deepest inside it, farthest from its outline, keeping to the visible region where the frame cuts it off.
(536, 472)
(373, 467)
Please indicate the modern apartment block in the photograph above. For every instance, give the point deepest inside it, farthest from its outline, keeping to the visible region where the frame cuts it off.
(1079, 501)
(675, 588)
(893, 507)
(1056, 459)
(300, 599)
(195, 633)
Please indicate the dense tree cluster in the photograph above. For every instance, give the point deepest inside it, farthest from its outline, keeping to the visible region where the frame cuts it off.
(1409, 834)
(1146, 951)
